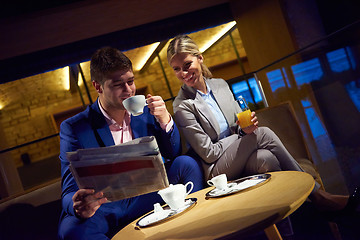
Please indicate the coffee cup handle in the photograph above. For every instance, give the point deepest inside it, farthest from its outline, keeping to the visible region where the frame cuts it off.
(210, 182)
(191, 187)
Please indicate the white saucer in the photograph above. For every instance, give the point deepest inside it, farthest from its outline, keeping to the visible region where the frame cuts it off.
(157, 217)
(154, 217)
(248, 183)
(239, 185)
(219, 192)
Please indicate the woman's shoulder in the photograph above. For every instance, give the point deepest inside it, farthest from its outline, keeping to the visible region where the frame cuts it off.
(182, 99)
(216, 81)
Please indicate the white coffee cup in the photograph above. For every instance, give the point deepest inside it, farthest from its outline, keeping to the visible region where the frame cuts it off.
(135, 104)
(175, 195)
(219, 181)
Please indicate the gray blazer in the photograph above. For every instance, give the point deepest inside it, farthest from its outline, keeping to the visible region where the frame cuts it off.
(200, 127)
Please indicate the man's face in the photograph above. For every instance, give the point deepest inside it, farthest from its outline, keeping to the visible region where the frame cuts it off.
(117, 86)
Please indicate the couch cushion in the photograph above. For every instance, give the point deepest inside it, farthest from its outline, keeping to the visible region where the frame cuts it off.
(37, 197)
(282, 120)
(33, 215)
(24, 221)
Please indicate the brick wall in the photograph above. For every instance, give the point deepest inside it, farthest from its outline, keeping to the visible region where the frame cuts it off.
(29, 103)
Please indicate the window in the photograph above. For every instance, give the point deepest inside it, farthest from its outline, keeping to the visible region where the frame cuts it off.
(242, 89)
(277, 79)
(307, 71)
(316, 126)
(338, 60)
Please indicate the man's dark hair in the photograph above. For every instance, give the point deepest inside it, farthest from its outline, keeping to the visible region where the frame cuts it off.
(108, 60)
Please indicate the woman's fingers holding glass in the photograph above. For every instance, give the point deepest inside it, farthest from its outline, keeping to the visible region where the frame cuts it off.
(254, 119)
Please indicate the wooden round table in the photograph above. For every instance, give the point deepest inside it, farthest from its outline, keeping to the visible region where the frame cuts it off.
(253, 209)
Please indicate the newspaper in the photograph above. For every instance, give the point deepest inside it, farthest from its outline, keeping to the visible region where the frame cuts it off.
(120, 171)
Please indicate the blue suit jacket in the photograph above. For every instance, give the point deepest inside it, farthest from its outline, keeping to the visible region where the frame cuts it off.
(89, 129)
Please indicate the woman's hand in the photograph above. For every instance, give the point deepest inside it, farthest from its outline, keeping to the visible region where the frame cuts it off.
(158, 108)
(251, 128)
(86, 202)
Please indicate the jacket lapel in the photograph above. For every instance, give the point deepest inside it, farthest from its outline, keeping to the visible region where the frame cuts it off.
(136, 128)
(203, 108)
(139, 124)
(223, 103)
(100, 127)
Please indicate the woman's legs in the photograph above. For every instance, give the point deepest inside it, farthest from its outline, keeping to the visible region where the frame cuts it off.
(263, 151)
(247, 153)
(262, 161)
(325, 201)
(267, 139)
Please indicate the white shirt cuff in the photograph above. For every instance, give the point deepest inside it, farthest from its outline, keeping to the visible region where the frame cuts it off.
(167, 126)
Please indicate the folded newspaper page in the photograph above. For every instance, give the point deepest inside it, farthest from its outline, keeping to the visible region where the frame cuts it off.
(120, 171)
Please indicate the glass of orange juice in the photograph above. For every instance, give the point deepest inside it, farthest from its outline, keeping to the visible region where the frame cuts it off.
(244, 117)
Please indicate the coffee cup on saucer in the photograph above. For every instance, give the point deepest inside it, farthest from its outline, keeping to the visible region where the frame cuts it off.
(135, 104)
(219, 182)
(175, 195)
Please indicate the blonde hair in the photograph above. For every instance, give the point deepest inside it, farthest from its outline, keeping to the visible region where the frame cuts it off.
(184, 44)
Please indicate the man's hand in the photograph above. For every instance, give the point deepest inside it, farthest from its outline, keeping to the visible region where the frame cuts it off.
(158, 108)
(250, 128)
(86, 202)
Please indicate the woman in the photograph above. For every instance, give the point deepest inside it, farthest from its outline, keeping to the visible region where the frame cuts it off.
(205, 111)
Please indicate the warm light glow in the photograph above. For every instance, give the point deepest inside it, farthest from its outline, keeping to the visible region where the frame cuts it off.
(84, 66)
(66, 78)
(1, 106)
(80, 80)
(217, 36)
(146, 54)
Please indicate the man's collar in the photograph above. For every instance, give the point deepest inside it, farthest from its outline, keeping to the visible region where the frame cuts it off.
(108, 119)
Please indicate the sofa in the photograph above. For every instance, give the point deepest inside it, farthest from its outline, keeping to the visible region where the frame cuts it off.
(282, 120)
(32, 215)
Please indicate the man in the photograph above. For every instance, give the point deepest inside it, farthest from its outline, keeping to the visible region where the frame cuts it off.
(106, 122)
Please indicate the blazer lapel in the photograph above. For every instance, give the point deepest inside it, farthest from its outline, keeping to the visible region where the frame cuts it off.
(139, 125)
(100, 127)
(136, 127)
(203, 109)
(224, 105)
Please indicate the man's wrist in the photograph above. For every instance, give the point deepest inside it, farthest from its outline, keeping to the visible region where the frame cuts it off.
(167, 126)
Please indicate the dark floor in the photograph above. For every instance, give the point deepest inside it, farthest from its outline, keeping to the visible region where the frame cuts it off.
(309, 224)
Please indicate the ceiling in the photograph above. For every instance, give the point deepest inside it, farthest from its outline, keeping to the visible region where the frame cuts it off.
(44, 37)
(20, 7)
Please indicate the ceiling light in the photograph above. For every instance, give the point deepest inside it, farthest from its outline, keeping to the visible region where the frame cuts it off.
(146, 55)
(66, 78)
(217, 36)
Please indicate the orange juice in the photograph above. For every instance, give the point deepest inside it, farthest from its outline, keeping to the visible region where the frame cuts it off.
(244, 118)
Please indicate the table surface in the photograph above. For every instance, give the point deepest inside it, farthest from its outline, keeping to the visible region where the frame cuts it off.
(253, 209)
